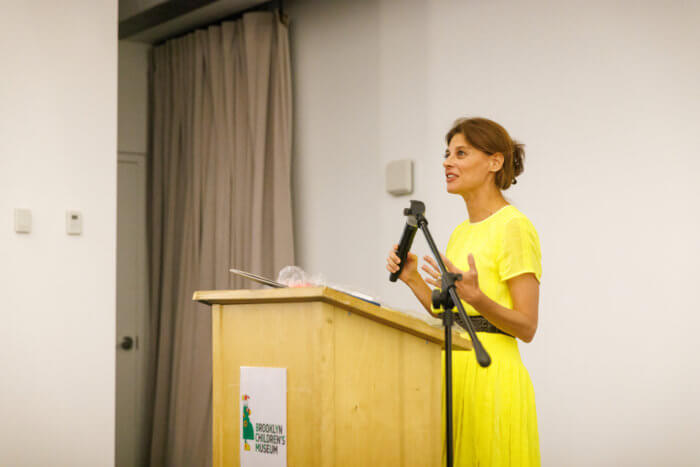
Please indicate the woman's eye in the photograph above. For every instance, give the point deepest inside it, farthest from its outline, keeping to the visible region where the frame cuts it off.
(461, 153)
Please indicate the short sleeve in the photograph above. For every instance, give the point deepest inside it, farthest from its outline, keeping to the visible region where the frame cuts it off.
(520, 250)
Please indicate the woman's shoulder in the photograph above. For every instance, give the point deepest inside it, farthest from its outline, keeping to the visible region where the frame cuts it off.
(515, 224)
(514, 215)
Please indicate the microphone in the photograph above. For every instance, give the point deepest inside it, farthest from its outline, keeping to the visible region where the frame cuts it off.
(405, 244)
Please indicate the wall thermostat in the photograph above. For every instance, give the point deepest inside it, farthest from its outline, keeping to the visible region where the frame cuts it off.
(399, 177)
(74, 222)
(23, 220)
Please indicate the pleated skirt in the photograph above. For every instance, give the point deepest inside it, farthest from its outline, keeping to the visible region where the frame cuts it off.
(494, 415)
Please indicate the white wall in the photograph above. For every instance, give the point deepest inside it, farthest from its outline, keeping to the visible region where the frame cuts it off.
(58, 152)
(605, 96)
(336, 138)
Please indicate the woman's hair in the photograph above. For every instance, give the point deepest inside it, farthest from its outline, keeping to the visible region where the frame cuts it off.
(489, 137)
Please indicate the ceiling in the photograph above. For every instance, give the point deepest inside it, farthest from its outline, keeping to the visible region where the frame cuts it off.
(154, 21)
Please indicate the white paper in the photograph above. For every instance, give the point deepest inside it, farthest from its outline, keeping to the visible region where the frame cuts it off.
(263, 417)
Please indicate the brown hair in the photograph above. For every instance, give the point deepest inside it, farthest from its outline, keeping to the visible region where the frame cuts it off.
(489, 137)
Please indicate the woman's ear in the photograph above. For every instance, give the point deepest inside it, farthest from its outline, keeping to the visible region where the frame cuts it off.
(496, 161)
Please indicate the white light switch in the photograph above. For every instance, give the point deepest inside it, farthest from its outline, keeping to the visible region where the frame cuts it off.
(23, 220)
(74, 222)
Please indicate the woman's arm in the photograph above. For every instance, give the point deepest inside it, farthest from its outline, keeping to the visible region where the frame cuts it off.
(521, 321)
(410, 276)
(423, 293)
(524, 289)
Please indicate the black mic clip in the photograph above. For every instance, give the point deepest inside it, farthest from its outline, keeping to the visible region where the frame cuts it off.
(417, 209)
(441, 297)
(442, 301)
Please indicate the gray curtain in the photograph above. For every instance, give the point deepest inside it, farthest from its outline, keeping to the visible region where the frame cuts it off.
(219, 197)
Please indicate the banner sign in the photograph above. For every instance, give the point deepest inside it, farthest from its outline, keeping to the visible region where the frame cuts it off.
(263, 415)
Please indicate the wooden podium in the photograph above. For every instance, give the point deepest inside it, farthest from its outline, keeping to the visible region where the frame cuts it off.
(364, 383)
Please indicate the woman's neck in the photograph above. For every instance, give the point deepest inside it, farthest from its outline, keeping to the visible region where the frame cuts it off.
(483, 202)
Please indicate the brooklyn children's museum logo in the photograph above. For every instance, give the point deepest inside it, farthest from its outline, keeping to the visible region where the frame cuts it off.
(266, 437)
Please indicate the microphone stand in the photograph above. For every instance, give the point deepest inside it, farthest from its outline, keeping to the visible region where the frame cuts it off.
(447, 299)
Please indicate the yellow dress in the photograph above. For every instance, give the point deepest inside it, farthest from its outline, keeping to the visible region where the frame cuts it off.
(495, 421)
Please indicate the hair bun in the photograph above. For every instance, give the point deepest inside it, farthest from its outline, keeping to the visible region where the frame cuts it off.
(518, 159)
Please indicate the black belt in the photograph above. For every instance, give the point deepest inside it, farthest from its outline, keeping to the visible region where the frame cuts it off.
(480, 324)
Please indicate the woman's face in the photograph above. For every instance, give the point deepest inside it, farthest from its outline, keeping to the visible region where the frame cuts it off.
(466, 168)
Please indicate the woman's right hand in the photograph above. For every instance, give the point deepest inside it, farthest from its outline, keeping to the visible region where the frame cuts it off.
(410, 268)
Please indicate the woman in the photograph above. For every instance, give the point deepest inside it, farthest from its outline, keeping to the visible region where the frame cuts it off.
(498, 254)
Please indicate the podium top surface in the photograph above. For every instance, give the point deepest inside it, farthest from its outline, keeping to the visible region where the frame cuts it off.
(333, 297)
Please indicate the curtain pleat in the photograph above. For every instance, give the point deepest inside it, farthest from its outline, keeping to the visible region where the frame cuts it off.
(219, 197)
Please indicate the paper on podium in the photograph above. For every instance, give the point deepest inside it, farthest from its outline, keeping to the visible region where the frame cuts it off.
(257, 278)
(270, 283)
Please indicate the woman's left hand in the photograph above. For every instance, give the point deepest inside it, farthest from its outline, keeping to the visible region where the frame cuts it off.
(467, 288)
